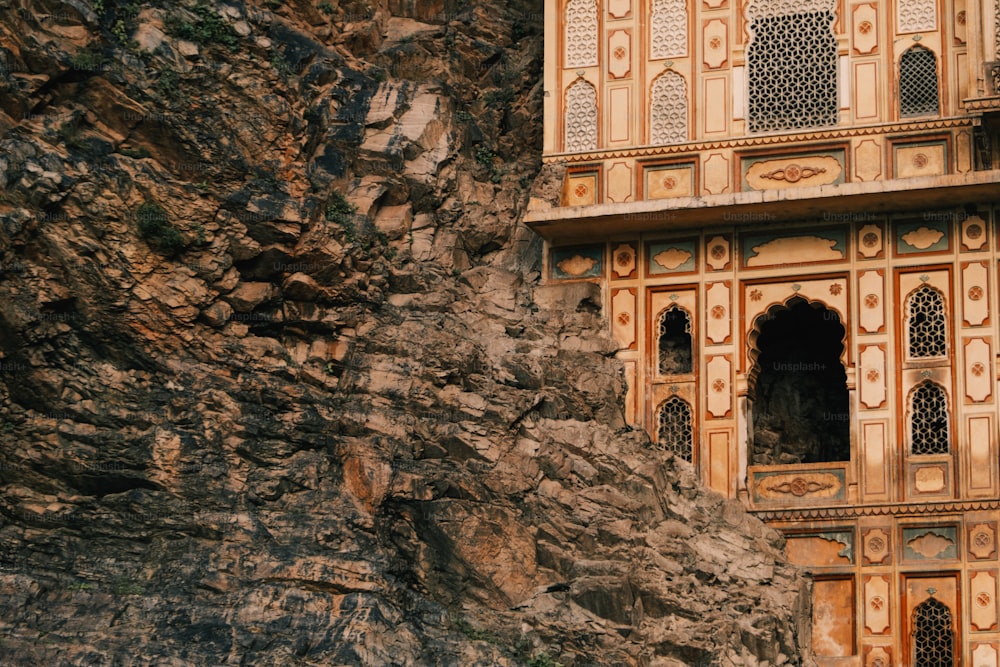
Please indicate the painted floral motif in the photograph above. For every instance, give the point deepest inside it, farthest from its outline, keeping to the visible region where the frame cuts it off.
(756, 295)
(718, 312)
(870, 240)
(836, 289)
(975, 293)
(871, 301)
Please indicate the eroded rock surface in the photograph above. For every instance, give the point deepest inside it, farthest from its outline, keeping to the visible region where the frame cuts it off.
(278, 384)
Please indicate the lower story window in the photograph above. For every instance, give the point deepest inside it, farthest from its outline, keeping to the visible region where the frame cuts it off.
(674, 429)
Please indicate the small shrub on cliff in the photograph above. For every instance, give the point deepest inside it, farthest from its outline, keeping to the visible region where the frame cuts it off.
(339, 210)
(543, 660)
(487, 158)
(156, 229)
(474, 633)
(123, 586)
(208, 29)
(89, 60)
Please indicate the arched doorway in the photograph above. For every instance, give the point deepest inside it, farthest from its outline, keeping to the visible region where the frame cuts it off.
(800, 404)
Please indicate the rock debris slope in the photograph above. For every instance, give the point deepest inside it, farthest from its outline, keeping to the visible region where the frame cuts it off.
(278, 383)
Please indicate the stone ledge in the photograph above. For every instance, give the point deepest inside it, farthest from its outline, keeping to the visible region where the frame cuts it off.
(578, 223)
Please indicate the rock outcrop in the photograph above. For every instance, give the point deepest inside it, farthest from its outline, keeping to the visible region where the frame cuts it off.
(279, 384)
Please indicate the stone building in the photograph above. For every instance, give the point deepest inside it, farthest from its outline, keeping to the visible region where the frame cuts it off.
(791, 208)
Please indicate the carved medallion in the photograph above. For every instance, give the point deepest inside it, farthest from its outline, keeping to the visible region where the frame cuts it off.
(793, 173)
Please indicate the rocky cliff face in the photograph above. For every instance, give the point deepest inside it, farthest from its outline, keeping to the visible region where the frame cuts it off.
(279, 384)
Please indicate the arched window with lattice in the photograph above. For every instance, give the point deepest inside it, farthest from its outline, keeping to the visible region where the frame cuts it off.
(933, 635)
(581, 117)
(918, 83)
(792, 65)
(674, 429)
(668, 109)
(580, 24)
(925, 323)
(929, 423)
(673, 341)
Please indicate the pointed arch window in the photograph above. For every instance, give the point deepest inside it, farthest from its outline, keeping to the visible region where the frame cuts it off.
(674, 430)
(918, 83)
(668, 112)
(933, 636)
(929, 428)
(925, 323)
(673, 341)
(581, 117)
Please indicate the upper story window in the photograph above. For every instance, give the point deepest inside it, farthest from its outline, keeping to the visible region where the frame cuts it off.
(918, 83)
(580, 24)
(668, 29)
(925, 323)
(668, 113)
(674, 430)
(792, 65)
(581, 117)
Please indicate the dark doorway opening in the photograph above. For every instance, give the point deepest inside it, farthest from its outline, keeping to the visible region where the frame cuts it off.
(800, 405)
(674, 344)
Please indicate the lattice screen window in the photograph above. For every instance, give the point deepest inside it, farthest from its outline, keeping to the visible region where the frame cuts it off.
(792, 71)
(668, 29)
(917, 15)
(581, 33)
(673, 341)
(674, 429)
(581, 117)
(926, 323)
(933, 637)
(918, 83)
(668, 113)
(929, 420)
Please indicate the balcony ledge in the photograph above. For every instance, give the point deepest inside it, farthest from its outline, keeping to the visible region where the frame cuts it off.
(828, 203)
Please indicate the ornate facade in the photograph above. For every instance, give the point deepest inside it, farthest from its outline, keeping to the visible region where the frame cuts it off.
(792, 208)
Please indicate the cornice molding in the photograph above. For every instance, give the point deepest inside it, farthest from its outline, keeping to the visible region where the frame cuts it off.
(793, 140)
(856, 511)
